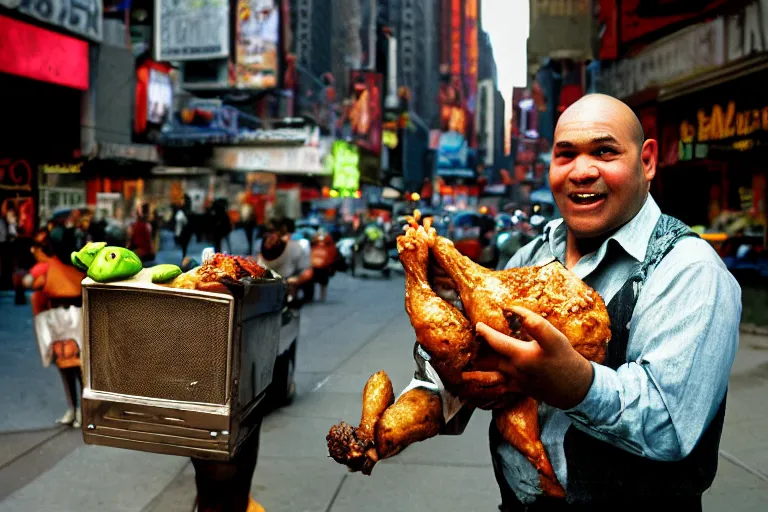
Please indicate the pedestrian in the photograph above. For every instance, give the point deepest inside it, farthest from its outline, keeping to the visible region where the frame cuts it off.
(285, 256)
(324, 257)
(140, 239)
(641, 430)
(182, 228)
(221, 225)
(57, 312)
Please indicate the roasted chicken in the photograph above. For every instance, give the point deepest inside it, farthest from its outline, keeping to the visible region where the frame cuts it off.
(448, 336)
(222, 268)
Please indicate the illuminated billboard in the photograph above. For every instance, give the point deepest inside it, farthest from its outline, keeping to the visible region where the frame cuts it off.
(345, 162)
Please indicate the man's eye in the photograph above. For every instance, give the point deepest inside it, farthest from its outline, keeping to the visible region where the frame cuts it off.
(605, 151)
(565, 154)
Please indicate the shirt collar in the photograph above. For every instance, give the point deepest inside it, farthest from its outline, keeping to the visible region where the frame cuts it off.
(633, 236)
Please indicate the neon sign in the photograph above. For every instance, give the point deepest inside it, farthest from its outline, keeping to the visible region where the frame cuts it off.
(39, 54)
(456, 37)
(724, 123)
(390, 139)
(345, 164)
(15, 175)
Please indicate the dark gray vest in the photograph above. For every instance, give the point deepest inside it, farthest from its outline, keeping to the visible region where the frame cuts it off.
(598, 471)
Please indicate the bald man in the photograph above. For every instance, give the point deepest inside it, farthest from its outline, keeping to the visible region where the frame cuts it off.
(643, 428)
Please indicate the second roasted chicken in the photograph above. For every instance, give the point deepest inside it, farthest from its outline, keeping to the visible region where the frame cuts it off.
(448, 336)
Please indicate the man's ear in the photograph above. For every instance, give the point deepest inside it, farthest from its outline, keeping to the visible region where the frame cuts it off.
(649, 155)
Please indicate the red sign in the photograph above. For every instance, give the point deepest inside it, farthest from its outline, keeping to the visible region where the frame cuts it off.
(569, 94)
(456, 37)
(39, 54)
(642, 17)
(608, 21)
(472, 52)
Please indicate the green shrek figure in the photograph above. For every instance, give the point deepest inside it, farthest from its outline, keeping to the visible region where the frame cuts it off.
(104, 263)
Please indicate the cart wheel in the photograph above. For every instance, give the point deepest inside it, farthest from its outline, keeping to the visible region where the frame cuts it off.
(283, 385)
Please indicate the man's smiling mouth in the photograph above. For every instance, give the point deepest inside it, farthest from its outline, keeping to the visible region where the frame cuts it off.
(586, 198)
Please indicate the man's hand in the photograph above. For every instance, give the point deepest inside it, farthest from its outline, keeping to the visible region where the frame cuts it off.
(547, 368)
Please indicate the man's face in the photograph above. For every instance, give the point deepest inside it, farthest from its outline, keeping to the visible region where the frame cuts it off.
(599, 175)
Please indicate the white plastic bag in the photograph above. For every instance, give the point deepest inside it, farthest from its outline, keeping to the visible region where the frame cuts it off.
(58, 324)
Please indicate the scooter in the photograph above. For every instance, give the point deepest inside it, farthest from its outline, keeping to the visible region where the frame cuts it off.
(371, 255)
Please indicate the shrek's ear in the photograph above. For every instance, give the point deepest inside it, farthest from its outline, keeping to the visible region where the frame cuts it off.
(77, 263)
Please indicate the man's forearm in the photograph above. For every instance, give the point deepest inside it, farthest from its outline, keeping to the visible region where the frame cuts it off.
(626, 409)
(302, 278)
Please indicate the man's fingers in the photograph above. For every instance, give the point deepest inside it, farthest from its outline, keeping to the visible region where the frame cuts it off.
(485, 378)
(502, 343)
(492, 380)
(538, 328)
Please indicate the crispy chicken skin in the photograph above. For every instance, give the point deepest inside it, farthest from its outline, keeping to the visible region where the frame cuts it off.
(551, 290)
(417, 415)
(449, 337)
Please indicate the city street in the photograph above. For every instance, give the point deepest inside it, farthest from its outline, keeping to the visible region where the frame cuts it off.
(361, 329)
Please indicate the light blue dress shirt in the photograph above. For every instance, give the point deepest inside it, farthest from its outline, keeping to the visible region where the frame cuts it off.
(682, 342)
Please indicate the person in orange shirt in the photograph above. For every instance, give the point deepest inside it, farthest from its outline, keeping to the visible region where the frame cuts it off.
(57, 310)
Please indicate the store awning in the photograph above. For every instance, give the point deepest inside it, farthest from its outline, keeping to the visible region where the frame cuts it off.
(137, 152)
(305, 160)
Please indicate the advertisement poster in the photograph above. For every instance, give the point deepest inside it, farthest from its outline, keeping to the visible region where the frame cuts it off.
(18, 196)
(363, 115)
(453, 115)
(159, 97)
(191, 29)
(258, 34)
(453, 156)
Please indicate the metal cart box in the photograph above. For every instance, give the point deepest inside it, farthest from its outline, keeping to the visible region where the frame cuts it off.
(176, 371)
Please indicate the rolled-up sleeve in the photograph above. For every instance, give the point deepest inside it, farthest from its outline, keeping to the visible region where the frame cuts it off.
(455, 414)
(683, 340)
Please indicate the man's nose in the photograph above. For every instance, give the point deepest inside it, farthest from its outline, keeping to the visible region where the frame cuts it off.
(584, 170)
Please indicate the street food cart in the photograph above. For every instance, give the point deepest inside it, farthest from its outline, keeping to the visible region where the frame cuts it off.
(177, 371)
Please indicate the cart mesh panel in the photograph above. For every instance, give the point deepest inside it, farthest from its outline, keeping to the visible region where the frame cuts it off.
(136, 337)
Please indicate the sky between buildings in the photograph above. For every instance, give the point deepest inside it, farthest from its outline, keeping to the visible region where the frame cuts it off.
(506, 22)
